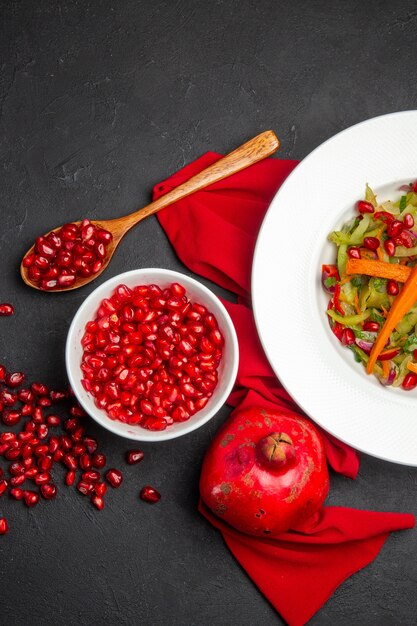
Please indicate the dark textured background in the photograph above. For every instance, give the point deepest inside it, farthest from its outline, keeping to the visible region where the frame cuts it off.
(99, 100)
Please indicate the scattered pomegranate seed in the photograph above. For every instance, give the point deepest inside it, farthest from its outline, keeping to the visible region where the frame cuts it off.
(134, 456)
(16, 493)
(98, 460)
(6, 310)
(100, 489)
(49, 491)
(31, 498)
(85, 487)
(114, 477)
(98, 502)
(4, 527)
(149, 494)
(70, 478)
(408, 220)
(15, 379)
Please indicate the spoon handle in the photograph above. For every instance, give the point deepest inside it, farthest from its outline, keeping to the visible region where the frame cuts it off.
(251, 152)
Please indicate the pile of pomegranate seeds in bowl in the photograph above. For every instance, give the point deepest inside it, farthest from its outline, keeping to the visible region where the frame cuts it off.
(62, 255)
(151, 356)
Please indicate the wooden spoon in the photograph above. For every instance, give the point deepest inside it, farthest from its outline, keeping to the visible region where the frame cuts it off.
(255, 150)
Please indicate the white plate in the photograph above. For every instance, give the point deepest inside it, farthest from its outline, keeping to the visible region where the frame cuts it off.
(289, 303)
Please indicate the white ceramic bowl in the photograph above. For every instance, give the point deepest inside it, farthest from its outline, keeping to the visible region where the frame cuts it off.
(197, 293)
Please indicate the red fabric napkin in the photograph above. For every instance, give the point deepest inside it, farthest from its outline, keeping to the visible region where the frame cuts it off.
(214, 233)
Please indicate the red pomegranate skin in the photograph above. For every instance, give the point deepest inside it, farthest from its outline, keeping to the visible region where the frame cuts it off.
(265, 472)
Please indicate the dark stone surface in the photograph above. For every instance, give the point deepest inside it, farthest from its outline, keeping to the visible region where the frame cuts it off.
(99, 100)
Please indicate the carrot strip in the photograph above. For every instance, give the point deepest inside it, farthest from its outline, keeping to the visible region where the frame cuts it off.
(356, 304)
(381, 269)
(412, 367)
(384, 311)
(345, 280)
(386, 368)
(380, 254)
(401, 305)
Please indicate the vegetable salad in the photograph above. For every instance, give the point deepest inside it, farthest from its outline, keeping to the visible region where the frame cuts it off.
(376, 254)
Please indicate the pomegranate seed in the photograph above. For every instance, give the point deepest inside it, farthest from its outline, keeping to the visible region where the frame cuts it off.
(29, 260)
(85, 462)
(49, 491)
(3, 486)
(45, 462)
(15, 379)
(31, 498)
(408, 220)
(16, 493)
(114, 477)
(31, 472)
(17, 481)
(90, 444)
(44, 401)
(39, 389)
(98, 502)
(10, 418)
(43, 478)
(364, 207)
(70, 478)
(372, 243)
(149, 494)
(394, 228)
(78, 449)
(98, 460)
(85, 487)
(58, 455)
(7, 436)
(134, 456)
(4, 527)
(392, 288)
(6, 310)
(372, 327)
(77, 411)
(42, 431)
(53, 420)
(100, 489)
(70, 461)
(12, 454)
(65, 442)
(409, 382)
(8, 397)
(404, 239)
(91, 476)
(348, 337)
(389, 246)
(57, 396)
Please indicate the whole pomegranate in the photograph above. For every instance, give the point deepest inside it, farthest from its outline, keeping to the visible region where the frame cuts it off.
(265, 472)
